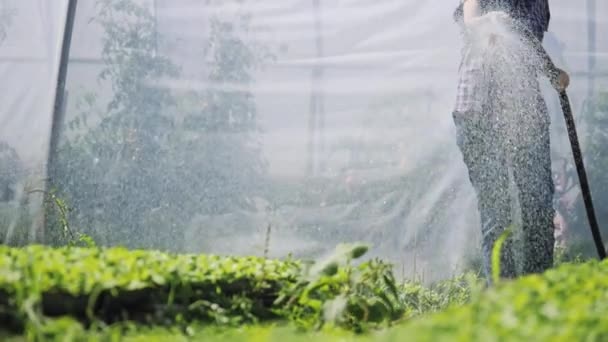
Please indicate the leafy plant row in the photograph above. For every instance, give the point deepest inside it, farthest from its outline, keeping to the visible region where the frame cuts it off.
(99, 287)
(105, 293)
(569, 303)
(118, 284)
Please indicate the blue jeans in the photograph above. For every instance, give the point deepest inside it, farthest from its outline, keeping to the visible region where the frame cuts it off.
(489, 149)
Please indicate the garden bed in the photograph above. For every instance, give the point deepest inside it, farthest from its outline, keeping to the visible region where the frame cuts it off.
(100, 294)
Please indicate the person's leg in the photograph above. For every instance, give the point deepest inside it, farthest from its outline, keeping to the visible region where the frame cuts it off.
(531, 157)
(482, 151)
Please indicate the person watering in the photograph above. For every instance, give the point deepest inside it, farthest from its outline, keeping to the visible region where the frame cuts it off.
(478, 116)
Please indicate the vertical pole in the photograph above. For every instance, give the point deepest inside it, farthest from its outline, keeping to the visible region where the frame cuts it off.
(312, 120)
(155, 5)
(316, 120)
(319, 83)
(582, 175)
(592, 43)
(60, 95)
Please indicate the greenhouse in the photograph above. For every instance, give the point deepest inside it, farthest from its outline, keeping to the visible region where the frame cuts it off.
(273, 129)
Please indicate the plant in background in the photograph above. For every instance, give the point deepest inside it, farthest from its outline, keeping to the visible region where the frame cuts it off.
(57, 211)
(216, 165)
(157, 158)
(114, 172)
(217, 141)
(498, 252)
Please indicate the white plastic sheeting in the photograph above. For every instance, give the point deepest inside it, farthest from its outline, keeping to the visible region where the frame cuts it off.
(30, 42)
(341, 132)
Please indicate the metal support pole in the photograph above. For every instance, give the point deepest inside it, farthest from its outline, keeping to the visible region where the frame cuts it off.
(592, 43)
(582, 175)
(60, 95)
(320, 102)
(155, 5)
(316, 120)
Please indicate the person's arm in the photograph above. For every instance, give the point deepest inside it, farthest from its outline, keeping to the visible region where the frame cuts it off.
(558, 77)
(471, 12)
(474, 21)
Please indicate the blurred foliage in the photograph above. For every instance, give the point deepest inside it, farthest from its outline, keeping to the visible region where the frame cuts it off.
(112, 173)
(156, 158)
(219, 152)
(144, 286)
(564, 304)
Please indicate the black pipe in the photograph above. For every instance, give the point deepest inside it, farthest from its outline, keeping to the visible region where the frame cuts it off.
(57, 118)
(582, 175)
(60, 94)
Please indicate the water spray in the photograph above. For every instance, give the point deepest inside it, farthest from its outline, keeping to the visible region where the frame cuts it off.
(493, 23)
(578, 160)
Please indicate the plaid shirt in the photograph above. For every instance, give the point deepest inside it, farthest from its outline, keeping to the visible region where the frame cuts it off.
(474, 83)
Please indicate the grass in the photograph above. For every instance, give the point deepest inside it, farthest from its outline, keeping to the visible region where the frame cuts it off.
(78, 294)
